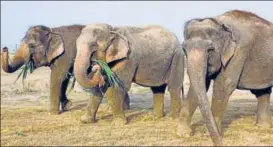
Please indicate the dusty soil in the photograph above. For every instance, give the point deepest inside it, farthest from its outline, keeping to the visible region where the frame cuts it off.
(25, 120)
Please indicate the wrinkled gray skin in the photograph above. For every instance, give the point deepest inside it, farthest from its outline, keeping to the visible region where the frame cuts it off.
(150, 56)
(235, 50)
(52, 47)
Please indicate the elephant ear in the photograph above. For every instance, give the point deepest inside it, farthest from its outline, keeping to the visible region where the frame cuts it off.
(118, 48)
(229, 46)
(55, 47)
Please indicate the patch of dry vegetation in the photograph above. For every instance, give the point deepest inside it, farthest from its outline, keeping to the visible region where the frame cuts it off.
(34, 126)
(25, 120)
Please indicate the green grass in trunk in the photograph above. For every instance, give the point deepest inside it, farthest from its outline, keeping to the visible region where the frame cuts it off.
(28, 66)
(106, 70)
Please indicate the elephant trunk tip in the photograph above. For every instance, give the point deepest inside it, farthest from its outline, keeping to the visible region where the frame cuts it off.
(17, 60)
(5, 49)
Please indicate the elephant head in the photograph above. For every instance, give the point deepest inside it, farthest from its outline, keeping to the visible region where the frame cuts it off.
(100, 42)
(40, 46)
(209, 45)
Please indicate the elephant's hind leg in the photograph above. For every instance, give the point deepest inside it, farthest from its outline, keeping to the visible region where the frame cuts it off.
(175, 82)
(263, 107)
(158, 96)
(175, 102)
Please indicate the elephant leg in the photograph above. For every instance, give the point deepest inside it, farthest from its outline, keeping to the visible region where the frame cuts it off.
(175, 102)
(55, 91)
(189, 105)
(221, 93)
(175, 82)
(126, 103)
(65, 103)
(58, 85)
(115, 98)
(158, 96)
(263, 107)
(92, 106)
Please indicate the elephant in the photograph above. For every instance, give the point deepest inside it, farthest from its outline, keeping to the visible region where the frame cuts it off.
(150, 56)
(51, 47)
(235, 50)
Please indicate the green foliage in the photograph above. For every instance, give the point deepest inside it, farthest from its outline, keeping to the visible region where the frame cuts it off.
(24, 70)
(20, 133)
(106, 70)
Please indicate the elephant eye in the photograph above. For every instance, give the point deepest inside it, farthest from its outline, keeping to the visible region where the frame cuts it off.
(31, 46)
(210, 49)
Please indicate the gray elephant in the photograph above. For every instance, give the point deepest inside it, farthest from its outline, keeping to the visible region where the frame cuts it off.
(150, 56)
(51, 47)
(235, 50)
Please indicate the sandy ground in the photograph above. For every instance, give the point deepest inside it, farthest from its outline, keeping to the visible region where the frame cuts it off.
(25, 120)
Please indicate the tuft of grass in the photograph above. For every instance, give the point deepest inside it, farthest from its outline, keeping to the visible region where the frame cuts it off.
(113, 80)
(111, 77)
(24, 70)
(20, 133)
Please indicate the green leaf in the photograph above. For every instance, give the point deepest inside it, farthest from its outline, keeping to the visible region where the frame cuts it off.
(111, 77)
(24, 70)
(25, 73)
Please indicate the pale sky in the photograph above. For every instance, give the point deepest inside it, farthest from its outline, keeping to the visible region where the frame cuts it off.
(17, 17)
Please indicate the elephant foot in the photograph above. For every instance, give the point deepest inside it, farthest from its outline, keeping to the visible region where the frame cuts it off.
(174, 115)
(264, 123)
(87, 119)
(54, 112)
(158, 115)
(119, 121)
(184, 130)
(66, 105)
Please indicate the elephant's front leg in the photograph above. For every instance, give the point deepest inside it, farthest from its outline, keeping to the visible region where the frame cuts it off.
(158, 96)
(189, 105)
(92, 107)
(59, 80)
(115, 98)
(263, 107)
(56, 79)
(222, 89)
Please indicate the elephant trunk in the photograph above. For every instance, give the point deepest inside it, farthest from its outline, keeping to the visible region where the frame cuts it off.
(20, 57)
(197, 68)
(86, 78)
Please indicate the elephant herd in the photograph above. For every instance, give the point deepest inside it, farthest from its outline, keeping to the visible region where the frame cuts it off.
(234, 49)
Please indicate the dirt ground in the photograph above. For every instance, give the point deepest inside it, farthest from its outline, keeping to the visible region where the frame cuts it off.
(25, 120)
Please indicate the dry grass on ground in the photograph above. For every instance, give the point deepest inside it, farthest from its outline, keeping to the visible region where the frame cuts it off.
(25, 120)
